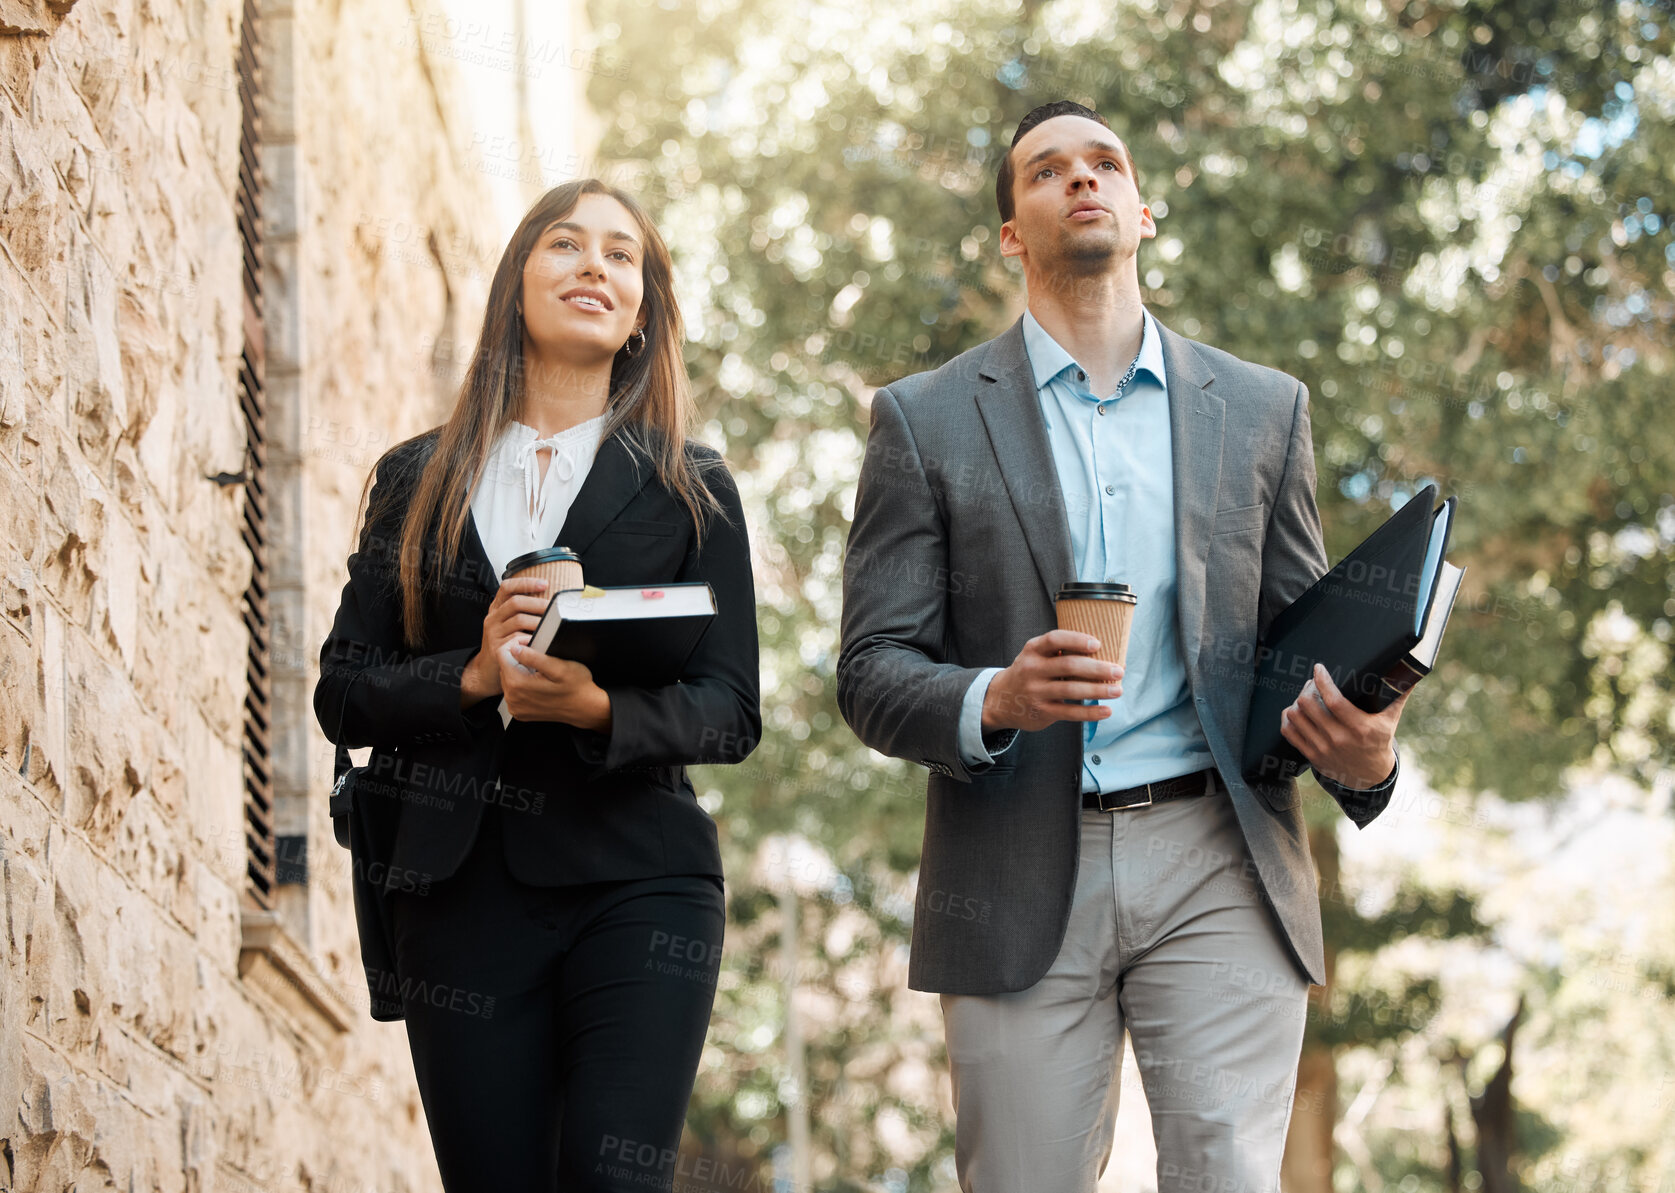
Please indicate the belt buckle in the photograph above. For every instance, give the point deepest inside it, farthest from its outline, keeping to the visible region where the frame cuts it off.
(1148, 802)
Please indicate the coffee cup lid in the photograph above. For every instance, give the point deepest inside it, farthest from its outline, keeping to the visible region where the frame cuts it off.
(544, 555)
(1096, 590)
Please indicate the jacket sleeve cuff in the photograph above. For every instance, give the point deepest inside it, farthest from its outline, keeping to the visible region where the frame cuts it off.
(432, 704)
(603, 752)
(1362, 804)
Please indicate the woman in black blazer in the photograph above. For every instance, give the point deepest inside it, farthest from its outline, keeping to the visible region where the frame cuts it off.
(555, 902)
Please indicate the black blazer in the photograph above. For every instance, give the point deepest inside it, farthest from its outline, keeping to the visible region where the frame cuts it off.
(579, 806)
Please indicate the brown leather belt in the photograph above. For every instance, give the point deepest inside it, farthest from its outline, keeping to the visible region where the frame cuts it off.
(1203, 782)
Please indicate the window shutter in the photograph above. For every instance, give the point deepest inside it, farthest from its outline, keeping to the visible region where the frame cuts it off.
(258, 721)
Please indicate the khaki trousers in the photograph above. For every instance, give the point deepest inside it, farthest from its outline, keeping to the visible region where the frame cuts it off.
(1168, 939)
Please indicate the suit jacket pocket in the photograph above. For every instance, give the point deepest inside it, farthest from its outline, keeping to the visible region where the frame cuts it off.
(1281, 797)
(633, 526)
(1246, 517)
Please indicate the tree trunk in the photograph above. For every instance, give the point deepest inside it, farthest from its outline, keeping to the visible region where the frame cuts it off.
(1495, 1115)
(1307, 1167)
(1456, 1159)
(1309, 1150)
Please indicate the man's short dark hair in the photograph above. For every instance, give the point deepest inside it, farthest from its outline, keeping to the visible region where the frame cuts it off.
(1040, 115)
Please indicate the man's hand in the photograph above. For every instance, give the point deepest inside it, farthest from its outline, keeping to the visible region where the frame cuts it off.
(1047, 681)
(539, 687)
(1352, 748)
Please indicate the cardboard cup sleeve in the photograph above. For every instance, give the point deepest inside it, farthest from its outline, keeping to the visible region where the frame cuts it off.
(1104, 610)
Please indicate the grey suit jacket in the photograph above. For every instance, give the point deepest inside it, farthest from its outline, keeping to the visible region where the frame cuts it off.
(958, 544)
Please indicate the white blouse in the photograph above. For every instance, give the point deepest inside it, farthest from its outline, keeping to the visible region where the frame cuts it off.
(516, 509)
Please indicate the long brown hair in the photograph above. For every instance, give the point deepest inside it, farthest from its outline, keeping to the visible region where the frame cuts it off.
(650, 401)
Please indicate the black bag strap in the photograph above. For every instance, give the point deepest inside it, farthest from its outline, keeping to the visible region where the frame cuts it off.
(342, 789)
(342, 761)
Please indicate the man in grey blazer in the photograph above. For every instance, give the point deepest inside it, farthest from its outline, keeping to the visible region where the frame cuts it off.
(1093, 860)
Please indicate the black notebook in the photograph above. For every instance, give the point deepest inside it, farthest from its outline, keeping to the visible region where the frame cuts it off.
(629, 635)
(1374, 622)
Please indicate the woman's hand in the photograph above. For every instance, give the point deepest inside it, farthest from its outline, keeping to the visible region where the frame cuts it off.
(539, 687)
(515, 613)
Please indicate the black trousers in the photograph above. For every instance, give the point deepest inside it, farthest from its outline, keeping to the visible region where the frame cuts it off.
(556, 1030)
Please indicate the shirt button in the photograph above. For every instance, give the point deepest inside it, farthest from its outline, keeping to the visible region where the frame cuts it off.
(1100, 408)
(1095, 760)
(1111, 490)
(1081, 376)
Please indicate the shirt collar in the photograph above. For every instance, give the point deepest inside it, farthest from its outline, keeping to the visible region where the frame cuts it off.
(515, 434)
(1048, 358)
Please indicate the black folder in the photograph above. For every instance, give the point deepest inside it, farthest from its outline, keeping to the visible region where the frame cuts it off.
(1361, 621)
(630, 635)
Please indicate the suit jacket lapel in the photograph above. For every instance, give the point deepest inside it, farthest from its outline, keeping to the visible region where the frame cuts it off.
(619, 472)
(1196, 420)
(1011, 413)
(482, 569)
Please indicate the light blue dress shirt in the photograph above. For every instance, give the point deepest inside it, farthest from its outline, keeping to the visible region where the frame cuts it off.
(1117, 476)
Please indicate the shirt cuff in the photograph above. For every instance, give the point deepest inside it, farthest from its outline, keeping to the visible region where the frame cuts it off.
(975, 748)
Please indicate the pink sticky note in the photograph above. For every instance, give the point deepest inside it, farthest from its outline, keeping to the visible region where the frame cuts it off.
(651, 594)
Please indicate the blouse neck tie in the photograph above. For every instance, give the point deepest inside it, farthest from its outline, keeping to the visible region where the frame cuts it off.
(534, 491)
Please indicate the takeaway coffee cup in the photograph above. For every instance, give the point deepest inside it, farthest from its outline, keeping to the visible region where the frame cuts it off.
(1102, 609)
(560, 567)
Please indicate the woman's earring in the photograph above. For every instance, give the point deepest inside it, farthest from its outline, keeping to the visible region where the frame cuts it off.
(633, 348)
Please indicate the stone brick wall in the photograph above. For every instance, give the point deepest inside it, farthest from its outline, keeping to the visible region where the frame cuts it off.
(145, 1040)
